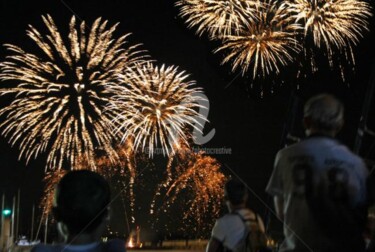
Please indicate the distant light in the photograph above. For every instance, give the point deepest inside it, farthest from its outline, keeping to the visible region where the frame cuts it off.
(7, 212)
(130, 243)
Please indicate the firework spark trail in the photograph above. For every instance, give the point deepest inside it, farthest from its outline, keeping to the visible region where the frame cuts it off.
(51, 179)
(265, 44)
(206, 182)
(199, 178)
(155, 107)
(218, 17)
(126, 168)
(334, 23)
(59, 95)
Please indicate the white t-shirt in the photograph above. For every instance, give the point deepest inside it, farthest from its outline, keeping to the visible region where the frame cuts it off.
(315, 157)
(229, 229)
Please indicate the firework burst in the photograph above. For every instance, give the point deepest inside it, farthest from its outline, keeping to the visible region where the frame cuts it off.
(265, 45)
(334, 23)
(218, 17)
(196, 185)
(116, 173)
(59, 95)
(156, 107)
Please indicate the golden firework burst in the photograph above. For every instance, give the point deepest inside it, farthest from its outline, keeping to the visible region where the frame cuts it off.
(265, 45)
(218, 17)
(334, 23)
(156, 106)
(195, 186)
(59, 95)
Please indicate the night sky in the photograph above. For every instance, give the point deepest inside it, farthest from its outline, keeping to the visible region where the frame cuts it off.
(247, 123)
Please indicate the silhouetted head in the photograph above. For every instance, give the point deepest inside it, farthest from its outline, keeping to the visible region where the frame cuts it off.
(81, 201)
(323, 114)
(235, 192)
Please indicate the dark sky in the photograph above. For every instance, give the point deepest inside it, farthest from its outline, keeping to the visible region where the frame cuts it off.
(248, 124)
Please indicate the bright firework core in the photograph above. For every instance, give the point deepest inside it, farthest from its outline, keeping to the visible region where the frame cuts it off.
(336, 23)
(264, 36)
(264, 45)
(60, 95)
(218, 17)
(157, 107)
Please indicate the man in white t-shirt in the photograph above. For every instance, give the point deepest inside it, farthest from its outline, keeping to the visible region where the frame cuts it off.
(81, 208)
(319, 185)
(230, 229)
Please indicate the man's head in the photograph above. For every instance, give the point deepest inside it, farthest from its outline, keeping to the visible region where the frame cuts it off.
(323, 114)
(81, 201)
(235, 192)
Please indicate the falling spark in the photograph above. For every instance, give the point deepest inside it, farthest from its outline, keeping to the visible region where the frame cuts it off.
(265, 45)
(117, 174)
(60, 95)
(196, 184)
(121, 174)
(51, 180)
(156, 106)
(334, 23)
(218, 17)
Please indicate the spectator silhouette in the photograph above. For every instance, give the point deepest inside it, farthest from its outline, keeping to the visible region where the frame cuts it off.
(81, 209)
(319, 185)
(231, 228)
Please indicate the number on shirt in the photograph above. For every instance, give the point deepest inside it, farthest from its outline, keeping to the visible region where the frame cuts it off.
(301, 179)
(337, 182)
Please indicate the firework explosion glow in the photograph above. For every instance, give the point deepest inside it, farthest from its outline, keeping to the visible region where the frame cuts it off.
(334, 23)
(265, 45)
(156, 106)
(60, 94)
(265, 35)
(123, 169)
(218, 17)
(197, 180)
